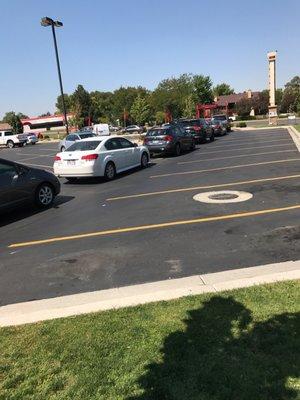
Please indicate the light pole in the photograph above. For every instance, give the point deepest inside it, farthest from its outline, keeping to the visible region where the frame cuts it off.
(46, 21)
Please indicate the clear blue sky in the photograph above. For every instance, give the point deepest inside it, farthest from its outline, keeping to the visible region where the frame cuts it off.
(106, 44)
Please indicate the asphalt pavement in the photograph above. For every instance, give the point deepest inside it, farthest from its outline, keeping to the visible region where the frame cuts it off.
(145, 226)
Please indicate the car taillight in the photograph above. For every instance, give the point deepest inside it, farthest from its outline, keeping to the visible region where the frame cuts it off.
(197, 128)
(89, 157)
(168, 138)
(146, 140)
(57, 158)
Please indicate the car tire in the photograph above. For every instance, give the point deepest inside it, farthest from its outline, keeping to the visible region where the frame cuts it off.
(177, 150)
(110, 171)
(10, 144)
(44, 195)
(33, 143)
(144, 160)
(62, 149)
(212, 138)
(193, 146)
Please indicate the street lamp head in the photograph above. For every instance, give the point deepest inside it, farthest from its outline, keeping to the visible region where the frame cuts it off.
(46, 21)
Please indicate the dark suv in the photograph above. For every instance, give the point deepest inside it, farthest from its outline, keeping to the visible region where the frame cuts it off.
(169, 140)
(198, 128)
(223, 119)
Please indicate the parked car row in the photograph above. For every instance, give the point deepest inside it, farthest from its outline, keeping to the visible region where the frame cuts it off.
(84, 154)
(11, 139)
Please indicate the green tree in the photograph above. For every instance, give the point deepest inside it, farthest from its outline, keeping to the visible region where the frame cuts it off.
(81, 103)
(123, 99)
(59, 103)
(171, 93)
(22, 116)
(202, 89)
(223, 89)
(140, 110)
(14, 121)
(260, 103)
(47, 114)
(243, 107)
(291, 96)
(102, 106)
(189, 107)
(159, 117)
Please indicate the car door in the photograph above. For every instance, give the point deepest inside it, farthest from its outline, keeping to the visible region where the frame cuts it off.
(115, 153)
(131, 153)
(11, 187)
(184, 138)
(70, 139)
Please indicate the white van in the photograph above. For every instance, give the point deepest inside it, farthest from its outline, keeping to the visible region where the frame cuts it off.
(101, 129)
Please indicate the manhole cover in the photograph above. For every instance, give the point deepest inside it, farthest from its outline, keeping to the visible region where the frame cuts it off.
(223, 196)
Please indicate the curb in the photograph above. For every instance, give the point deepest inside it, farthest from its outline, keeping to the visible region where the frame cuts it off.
(295, 135)
(82, 303)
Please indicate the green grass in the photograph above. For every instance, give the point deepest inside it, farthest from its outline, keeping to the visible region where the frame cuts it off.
(237, 345)
(297, 127)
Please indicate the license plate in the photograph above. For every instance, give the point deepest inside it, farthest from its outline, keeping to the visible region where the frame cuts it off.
(71, 162)
(159, 142)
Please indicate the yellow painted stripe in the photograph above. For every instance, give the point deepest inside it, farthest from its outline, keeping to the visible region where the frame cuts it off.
(224, 168)
(155, 226)
(131, 196)
(247, 148)
(239, 156)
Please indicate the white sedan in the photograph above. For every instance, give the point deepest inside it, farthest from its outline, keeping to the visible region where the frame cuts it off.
(100, 156)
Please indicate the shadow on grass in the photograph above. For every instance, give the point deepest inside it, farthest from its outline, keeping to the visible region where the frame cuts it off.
(223, 355)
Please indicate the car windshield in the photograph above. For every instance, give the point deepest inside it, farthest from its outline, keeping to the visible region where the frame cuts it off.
(220, 118)
(157, 132)
(190, 123)
(86, 135)
(84, 146)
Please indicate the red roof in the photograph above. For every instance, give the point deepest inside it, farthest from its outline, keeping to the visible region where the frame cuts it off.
(223, 101)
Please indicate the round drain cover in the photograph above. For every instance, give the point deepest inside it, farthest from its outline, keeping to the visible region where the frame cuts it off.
(223, 196)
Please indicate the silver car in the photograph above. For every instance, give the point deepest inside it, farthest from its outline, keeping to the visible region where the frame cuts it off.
(72, 138)
(31, 138)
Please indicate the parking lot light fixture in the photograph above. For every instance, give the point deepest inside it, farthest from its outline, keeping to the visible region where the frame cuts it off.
(46, 21)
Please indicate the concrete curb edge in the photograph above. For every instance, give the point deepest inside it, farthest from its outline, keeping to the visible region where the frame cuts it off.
(82, 303)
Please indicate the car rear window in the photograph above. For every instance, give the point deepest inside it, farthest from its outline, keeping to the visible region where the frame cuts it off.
(83, 146)
(220, 117)
(190, 123)
(86, 135)
(157, 132)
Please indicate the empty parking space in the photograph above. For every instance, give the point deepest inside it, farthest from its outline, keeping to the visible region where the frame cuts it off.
(107, 234)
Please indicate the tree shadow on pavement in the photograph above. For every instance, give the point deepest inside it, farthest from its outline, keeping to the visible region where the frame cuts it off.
(223, 355)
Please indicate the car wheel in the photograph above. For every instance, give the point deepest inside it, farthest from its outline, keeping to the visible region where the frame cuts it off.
(212, 138)
(110, 171)
(193, 146)
(10, 144)
(33, 143)
(177, 150)
(62, 149)
(144, 160)
(44, 195)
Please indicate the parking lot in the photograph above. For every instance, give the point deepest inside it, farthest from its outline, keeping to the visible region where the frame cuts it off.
(146, 226)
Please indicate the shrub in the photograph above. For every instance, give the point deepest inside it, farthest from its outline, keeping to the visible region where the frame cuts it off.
(47, 137)
(241, 125)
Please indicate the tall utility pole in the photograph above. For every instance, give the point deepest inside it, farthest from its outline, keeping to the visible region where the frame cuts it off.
(46, 21)
(272, 88)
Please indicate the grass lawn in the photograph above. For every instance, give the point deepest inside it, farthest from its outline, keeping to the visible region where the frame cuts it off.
(237, 345)
(297, 127)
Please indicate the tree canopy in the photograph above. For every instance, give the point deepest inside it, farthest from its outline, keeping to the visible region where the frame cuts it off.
(223, 89)
(14, 121)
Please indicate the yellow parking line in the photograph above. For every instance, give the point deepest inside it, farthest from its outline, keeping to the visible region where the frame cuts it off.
(155, 226)
(224, 168)
(131, 196)
(248, 148)
(239, 156)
